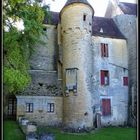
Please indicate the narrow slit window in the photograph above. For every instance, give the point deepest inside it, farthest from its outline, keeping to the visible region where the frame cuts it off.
(84, 17)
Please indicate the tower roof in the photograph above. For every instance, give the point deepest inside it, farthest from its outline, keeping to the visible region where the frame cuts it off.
(69, 2)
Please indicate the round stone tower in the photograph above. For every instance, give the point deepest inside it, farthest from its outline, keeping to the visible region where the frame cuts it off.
(76, 31)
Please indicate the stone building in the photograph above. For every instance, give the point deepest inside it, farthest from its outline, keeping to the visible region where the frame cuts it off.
(126, 13)
(80, 73)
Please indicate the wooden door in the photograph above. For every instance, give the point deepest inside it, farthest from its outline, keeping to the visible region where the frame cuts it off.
(12, 106)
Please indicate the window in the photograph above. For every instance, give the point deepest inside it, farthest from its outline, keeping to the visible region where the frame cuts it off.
(29, 107)
(50, 107)
(104, 77)
(104, 50)
(84, 17)
(125, 81)
(106, 107)
(71, 80)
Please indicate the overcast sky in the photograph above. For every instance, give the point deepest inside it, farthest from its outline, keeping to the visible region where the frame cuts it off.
(98, 5)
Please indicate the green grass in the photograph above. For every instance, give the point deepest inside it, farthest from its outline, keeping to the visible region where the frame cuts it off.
(11, 131)
(111, 133)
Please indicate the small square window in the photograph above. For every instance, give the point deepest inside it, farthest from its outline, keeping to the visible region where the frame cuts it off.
(29, 107)
(104, 50)
(50, 107)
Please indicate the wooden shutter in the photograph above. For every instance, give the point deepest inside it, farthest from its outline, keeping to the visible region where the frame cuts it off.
(102, 50)
(106, 107)
(106, 50)
(125, 81)
(102, 78)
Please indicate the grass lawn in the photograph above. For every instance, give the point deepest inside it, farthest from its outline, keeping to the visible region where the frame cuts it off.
(12, 132)
(111, 133)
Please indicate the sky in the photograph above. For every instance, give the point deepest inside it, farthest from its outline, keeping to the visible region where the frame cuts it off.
(98, 5)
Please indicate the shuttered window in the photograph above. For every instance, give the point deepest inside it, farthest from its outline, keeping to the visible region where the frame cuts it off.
(104, 50)
(106, 107)
(125, 81)
(104, 77)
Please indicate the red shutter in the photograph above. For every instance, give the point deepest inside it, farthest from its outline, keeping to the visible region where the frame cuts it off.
(103, 107)
(108, 77)
(102, 78)
(125, 81)
(102, 49)
(106, 50)
(106, 107)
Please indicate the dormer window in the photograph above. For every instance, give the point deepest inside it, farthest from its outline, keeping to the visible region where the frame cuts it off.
(84, 17)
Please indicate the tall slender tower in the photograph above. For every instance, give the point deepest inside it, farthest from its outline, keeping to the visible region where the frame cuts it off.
(76, 31)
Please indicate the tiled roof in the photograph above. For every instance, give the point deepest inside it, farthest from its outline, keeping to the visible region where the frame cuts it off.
(128, 8)
(107, 25)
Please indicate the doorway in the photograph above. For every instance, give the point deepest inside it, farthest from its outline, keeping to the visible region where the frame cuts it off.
(12, 107)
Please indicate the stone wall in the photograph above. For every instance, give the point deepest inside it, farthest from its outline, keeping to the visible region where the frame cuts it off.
(45, 55)
(117, 65)
(129, 30)
(40, 113)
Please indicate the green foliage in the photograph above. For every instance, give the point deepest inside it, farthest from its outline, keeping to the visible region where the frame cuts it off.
(19, 44)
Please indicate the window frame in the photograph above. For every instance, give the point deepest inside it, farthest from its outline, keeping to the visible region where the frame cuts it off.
(50, 107)
(29, 107)
(125, 81)
(104, 50)
(102, 77)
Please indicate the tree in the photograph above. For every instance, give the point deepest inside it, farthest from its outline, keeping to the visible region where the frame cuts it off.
(18, 44)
